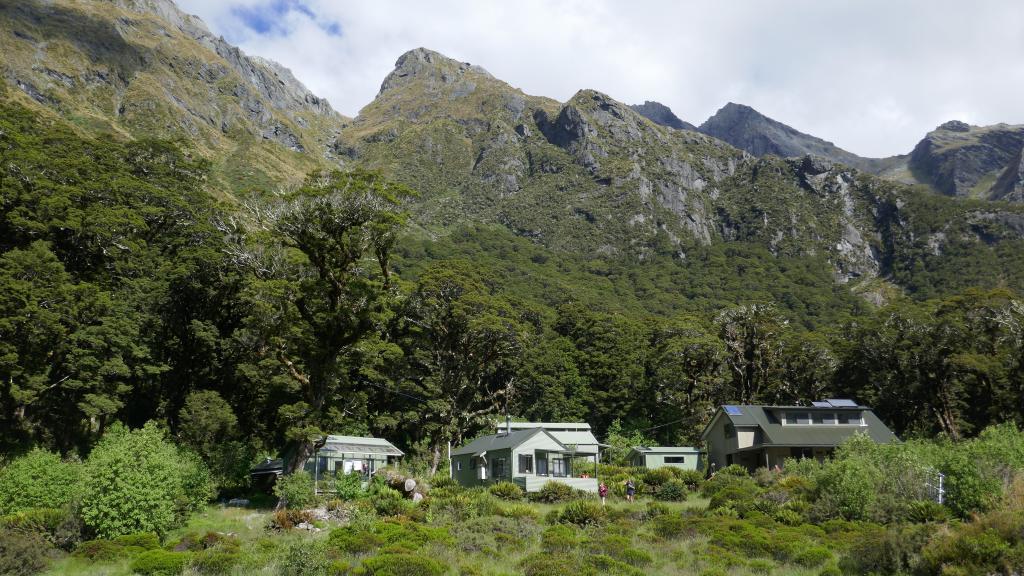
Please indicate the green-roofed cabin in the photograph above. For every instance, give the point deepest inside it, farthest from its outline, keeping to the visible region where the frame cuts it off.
(363, 455)
(765, 436)
(529, 457)
(651, 457)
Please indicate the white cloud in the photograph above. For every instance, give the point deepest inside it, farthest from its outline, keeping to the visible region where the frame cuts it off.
(871, 75)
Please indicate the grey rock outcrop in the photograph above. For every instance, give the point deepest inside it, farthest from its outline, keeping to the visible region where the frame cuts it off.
(660, 114)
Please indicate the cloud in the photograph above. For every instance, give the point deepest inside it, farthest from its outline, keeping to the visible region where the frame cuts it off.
(870, 75)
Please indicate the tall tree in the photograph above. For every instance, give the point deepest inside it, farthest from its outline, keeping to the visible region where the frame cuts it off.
(753, 339)
(463, 345)
(320, 288)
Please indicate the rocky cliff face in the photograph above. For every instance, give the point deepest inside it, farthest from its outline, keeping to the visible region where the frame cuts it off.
(660, 114)
(143, 68)
(973, 161)
(593, 176)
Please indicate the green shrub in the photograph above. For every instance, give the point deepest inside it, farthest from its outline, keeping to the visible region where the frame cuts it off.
(403, 565)
(673, 491)
(61, 528)
(879, 550)
(736, 493)
(390, 502)
(295, 490)
(583, 513)
(215, 561)
(144, 540)
(851, 485)
(507, 491)
(812, 556)
(669, 526)
(692, 478)
(657, 476)
(160, 563)
(549, 564)
(39, 479)
(305, 557)
(99, 550)
(559, 538)
(606, 565)
(349, 486)
(519, 511)
(137, 481)
(923, 511)
(632, 556)
(553, 492)
(23, 553)
(734, 470)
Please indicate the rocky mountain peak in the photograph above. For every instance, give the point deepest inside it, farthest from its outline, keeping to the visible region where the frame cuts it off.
(955, 126)
(434, 67)
(660, 114)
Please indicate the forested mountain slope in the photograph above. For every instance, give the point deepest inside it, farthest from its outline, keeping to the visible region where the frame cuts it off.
(567, 260)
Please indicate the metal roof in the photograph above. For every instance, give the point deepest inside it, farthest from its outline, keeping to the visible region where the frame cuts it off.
(501, 441)
(359, 445)
(666, 449)
(585, 438)
(551, 426)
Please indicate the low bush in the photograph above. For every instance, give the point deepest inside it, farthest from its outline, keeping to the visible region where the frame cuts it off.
(549, 564)
(657, 476)
(674, 491)
(402, 565)
(61, 528)
(160, 563)
(553, 492)
(507, 491)
(559, 538)
(606, 565)
(144, 540)
(305, 558)
(349, 486)
(99, 550)
(583, 513)
(881, 550)
(295, 490)
(390, 502)
(670, 526)
(519, 511)
(692, 478)
(215, 561)
(289, 518)
(23, 553)
(812, 556)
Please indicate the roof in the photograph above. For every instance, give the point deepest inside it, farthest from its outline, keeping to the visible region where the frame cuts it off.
(359, 445)
(493, 442)
(575, 438)
(666, 449)
(774, 433)
(268, 466)
(549, 425)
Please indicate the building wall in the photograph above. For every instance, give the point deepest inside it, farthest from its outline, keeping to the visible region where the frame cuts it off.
(692, 461)
(718, 446)
(469, 475)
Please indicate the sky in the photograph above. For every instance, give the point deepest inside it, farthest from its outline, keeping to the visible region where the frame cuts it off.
(872, 76)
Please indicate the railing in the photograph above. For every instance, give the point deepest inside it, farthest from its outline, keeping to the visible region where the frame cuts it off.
(535, 483)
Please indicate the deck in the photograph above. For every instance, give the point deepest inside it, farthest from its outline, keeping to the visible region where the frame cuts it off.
(535, 483)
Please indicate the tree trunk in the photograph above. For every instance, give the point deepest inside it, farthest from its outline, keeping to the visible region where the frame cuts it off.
(435, 460)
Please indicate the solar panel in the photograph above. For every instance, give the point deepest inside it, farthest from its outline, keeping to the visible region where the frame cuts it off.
(733, 410)
(820, 404)
(842, 403)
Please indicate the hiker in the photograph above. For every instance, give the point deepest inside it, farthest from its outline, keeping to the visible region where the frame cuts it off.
(630, 490)
(602, 491)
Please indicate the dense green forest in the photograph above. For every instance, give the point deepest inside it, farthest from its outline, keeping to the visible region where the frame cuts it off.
(129, 296)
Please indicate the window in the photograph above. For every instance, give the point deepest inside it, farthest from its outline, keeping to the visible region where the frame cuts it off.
(850, 418)
(498, 468)
(824, 418)
(675, 459)
(730, 431)
(798, 418)
(559, 468)
(526, 463)
(458, 464)
(542, 466)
